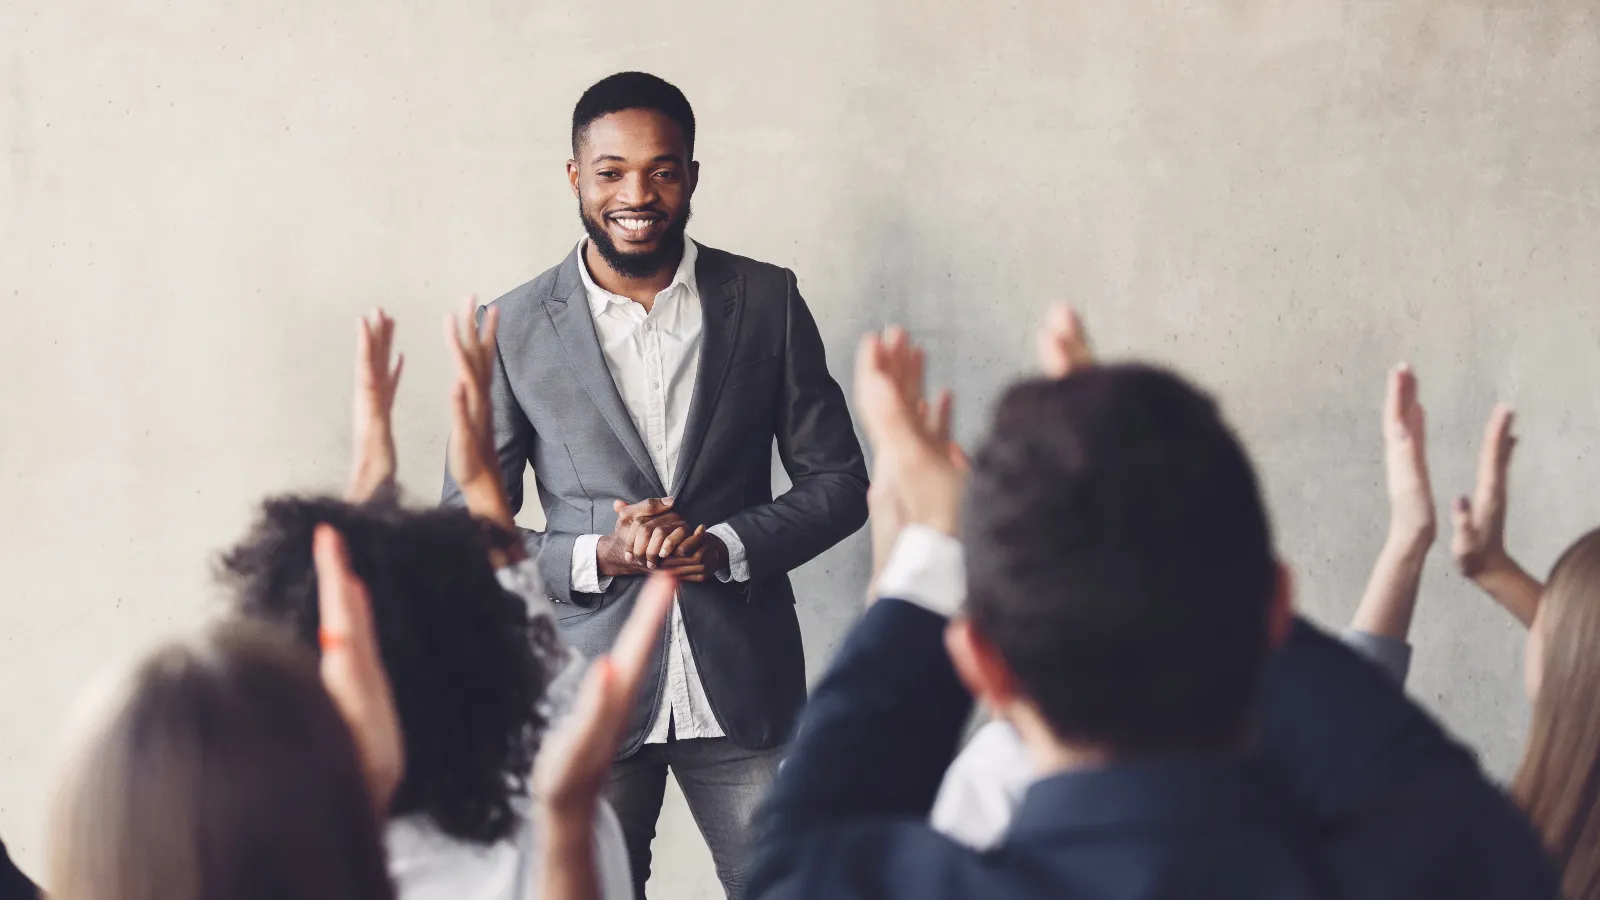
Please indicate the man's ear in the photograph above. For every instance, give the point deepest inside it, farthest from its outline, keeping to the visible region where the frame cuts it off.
(694, 175)
(979, 665)
(1280, 614)
(572, 177)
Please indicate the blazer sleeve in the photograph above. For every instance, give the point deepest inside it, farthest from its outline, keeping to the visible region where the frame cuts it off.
(1343, 728)
(866, 763)
(817, 445)
(514, 439)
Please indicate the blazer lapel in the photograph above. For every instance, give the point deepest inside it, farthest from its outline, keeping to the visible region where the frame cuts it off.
(568, 308)
(720, 293)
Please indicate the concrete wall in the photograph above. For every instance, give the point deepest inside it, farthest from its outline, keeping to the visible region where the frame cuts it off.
(1281, 198)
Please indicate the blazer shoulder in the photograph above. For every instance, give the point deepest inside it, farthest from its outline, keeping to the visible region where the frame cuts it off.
(526, 297)
(757, 275)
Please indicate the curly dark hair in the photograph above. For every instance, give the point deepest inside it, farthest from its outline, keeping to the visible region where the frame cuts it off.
(469, 666)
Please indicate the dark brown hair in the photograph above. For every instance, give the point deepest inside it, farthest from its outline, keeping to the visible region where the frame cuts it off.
(1120, 558)
(219, 768)
(1558, 783)
(468, 664)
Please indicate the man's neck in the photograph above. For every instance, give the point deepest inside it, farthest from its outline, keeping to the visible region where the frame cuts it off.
(642, 291)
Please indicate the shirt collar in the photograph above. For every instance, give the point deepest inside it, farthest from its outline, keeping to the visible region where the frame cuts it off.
(600, 298)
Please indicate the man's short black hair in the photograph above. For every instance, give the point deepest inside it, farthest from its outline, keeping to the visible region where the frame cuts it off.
(468, 664)
(1120, 559)
(632, 90)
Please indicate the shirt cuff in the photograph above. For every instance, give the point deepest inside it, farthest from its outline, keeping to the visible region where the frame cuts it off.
(926, 567)
(1391, 655)
(586, 566)
(738, 568)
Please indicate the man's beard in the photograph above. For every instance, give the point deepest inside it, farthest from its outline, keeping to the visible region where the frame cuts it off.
(640, 264)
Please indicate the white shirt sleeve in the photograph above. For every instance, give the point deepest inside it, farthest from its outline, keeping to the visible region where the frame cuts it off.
(926, 567)
(738, 569)
(983, 787)
(586, 566)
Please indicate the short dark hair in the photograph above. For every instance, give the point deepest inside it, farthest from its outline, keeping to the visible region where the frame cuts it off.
(1120, 559)
(468, 665)
(632, 90)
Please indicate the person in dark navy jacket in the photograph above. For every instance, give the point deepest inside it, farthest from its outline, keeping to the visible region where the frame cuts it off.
(1115, 596)
(13, 884)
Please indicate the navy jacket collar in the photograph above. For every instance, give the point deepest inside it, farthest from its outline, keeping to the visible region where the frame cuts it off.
(1184, 792)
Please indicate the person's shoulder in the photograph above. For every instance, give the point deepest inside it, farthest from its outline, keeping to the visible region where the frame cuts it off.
(753, 272)
(427, 864)
(529, 295)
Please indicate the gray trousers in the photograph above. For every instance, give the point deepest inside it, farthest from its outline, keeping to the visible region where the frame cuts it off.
(723, 785)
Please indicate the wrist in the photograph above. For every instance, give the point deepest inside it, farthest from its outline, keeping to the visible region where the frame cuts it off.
(486, 500)
(570, 819)
(1409, 541)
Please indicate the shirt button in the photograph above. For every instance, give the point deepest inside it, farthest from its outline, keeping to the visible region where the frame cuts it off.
(655, 384)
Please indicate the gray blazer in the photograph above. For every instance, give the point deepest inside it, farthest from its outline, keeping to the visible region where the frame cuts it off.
(763, 377)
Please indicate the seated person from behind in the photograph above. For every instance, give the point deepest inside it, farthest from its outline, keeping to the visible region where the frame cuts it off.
(471, 662)
(1118, 600)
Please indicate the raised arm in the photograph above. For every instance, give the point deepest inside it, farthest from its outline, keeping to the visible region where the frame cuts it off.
(1383, 620)
(513, 438)
(818, 447)
(472, 460)
(373, 465)
(1479, 539)
(575, 759)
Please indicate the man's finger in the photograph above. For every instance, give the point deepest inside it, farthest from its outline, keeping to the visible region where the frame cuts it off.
(650, 506)
(672, 541)
(658, 537)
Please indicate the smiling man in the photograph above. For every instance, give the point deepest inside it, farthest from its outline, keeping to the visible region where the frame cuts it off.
(647, 378)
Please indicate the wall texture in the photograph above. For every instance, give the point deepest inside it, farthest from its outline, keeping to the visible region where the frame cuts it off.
(1281, 197)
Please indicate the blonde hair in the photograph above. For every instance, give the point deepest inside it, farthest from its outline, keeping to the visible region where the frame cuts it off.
(1558, 782)
(218, 768)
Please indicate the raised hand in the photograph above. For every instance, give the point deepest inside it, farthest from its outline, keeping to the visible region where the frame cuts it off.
(1061, 346)
(474, 464)
(352, 668)
(920, 470)
(1478, 539)
(1391, 596)
(1405, 458)
(575, 759)
(376, 381)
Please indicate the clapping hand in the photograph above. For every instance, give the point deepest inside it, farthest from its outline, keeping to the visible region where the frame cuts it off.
(474, 462)
(376, 381)
(1405, 456)
(352, 668)
(1478, 539)
(575, 759)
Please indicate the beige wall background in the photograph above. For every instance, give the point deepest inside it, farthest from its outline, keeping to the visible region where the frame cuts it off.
(1280, 197)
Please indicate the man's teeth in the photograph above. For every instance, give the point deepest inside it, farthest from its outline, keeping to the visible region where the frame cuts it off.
(634, 224)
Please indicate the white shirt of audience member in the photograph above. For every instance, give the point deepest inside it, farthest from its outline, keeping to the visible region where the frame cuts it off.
(985, 784)
(427, 864)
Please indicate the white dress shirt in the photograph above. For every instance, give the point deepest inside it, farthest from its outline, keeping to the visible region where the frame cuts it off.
(654, 359)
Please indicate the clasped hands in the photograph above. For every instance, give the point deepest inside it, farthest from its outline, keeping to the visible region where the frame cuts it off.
(651, 536)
